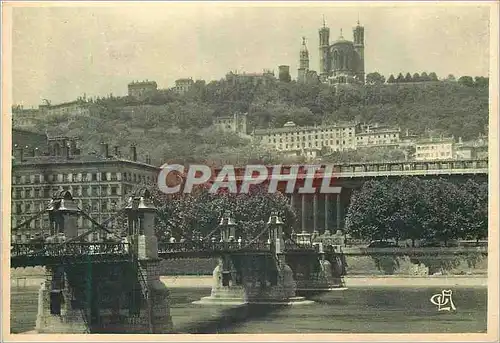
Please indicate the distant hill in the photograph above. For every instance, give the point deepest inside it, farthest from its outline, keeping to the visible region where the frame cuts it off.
(172, 127)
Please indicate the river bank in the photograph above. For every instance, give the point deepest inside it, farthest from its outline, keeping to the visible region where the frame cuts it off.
(351, 281)
(354, 281)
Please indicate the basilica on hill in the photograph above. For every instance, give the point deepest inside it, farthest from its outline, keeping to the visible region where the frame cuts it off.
(341, 61)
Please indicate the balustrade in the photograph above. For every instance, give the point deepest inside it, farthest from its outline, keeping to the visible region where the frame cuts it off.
(69, 249)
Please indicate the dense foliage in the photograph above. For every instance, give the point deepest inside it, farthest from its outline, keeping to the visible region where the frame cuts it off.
(411, 208)
(173, 126)
(197, 214)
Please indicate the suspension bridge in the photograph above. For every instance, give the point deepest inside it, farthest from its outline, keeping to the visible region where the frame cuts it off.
(114, 286)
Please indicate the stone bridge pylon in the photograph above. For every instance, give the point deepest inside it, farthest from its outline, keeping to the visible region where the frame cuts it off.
(99, 295)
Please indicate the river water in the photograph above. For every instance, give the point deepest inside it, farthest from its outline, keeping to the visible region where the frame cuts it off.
(356, 310)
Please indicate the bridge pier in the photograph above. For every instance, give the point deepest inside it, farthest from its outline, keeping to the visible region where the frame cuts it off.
(123, 296)
(253, 277)
(55, 311)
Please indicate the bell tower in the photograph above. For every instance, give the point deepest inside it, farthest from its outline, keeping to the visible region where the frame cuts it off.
(359, 46)
(324, 42)
(304, 62)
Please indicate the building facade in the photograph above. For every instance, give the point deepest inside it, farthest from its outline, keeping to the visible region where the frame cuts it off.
(237, 123)
(140, 90)
(183, 85)
(342, 61)
(99, 182)
(435, 149)
(266, 77)
(308, 141)
(370, 136)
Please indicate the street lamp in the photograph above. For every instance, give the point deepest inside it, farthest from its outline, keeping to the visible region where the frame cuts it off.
(275, 225)
(227, 227)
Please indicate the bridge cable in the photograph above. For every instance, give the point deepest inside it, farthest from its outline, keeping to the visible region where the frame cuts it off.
(29, 220)
(254, 239)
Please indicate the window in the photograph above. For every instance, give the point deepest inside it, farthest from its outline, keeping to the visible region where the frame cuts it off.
(113, 191)
(94, 177)
(19, 209)
(37, 193)
(27, 208)
(95, 191)
(65, 178)
(19, 193)
(37, 178)
(104, 177)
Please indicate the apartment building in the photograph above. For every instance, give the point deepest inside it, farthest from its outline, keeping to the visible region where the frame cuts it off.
(429, 149)
(99, 182)
(308, 140)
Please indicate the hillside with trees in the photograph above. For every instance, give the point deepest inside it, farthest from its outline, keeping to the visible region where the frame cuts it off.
(170, 126)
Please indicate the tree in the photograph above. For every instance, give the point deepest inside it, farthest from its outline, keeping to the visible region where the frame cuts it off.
(481, 82)
(400, 78)
(391, 79)
(375, 78)
(433, 77)
(450, 78)
(424, 77)
(408, 77)
(369, 209)
(467, 81)
(198, 213)
(416, 77)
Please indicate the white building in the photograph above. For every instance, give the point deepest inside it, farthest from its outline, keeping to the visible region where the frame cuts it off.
(368, 136)
(308, 140)
(435, 149)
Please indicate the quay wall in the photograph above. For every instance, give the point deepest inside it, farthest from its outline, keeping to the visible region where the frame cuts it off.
(358, 266)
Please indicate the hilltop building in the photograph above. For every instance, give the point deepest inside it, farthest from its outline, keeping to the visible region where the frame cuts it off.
(140, 90)
(183, 85)
(264, 78)
(305, 75)
(340, 62)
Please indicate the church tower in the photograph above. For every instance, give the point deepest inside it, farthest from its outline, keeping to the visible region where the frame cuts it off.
(359, 47)
(304, 62)
(324, 42)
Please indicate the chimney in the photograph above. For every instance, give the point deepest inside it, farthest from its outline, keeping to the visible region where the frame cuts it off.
(68, 152)
(148, 159)
(104, 150)
(33, 153)
(117, 150)
(36, 152)
(133, 153)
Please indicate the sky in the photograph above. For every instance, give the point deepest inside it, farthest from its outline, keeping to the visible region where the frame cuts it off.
(61, 53)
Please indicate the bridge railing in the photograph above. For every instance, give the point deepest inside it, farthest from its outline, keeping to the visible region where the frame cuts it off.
(183, 247)
(76, 249)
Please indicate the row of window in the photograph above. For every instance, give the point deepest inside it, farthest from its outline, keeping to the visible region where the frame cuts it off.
(303, 132)
(433, 147)
(376, 136)
(105, 205)
(434, 155)
(81, 191)
(309, 145)
(80, 177)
